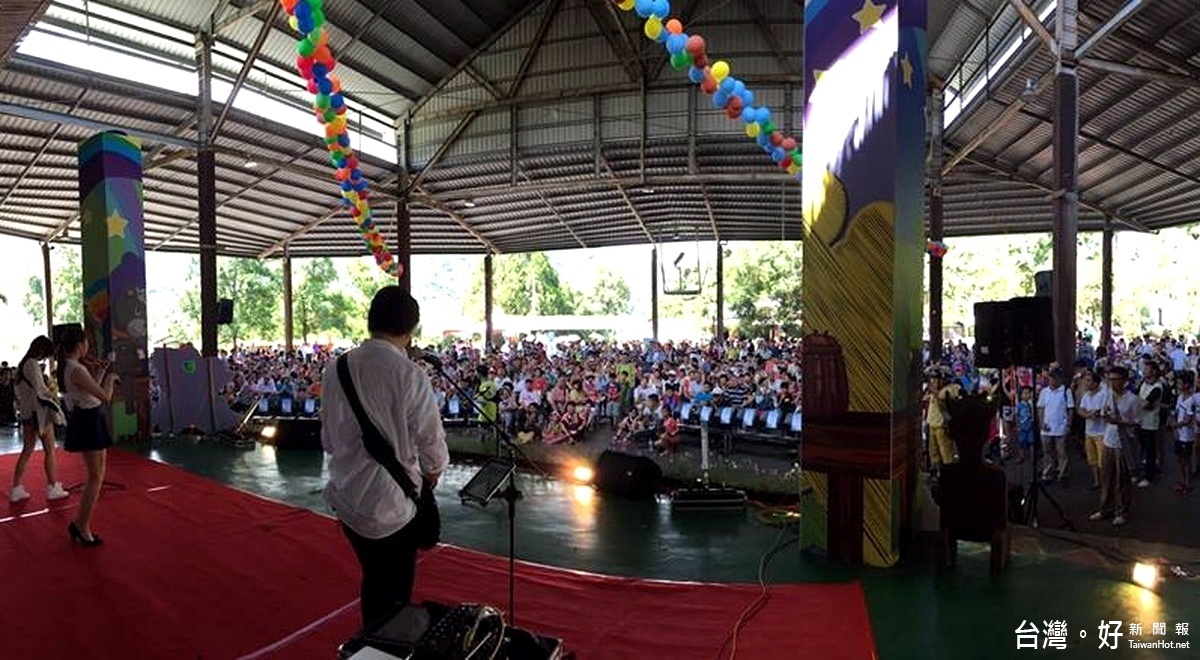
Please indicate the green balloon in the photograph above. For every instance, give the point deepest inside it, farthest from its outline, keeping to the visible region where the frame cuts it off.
(305, 47)
(318, 19)
(331, 140)
(769, 127)
(315, 4)
(322, 101)
(679, 61)
(330, 115)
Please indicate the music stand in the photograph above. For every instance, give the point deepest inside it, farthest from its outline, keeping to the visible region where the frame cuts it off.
(488, 482)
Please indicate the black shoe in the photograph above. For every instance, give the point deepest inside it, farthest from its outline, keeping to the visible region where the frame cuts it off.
(77, 537)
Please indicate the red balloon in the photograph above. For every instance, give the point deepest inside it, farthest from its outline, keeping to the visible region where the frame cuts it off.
(312, 87)
(733, 109)
(786, 162)
(700, 61)
(777, 138)
(695, 45)
(709, 85)
(352, 163)
(354, 212)
(788, 143)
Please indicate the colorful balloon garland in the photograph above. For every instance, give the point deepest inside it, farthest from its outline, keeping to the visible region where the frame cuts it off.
(936, 249)
(728, 93)
(316, 63)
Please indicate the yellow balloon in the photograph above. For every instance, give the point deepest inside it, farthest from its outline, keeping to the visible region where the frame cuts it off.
(293, 23)
(753, 129)
(793, 169)
(720, 69)
(626, 5)
(654, 27)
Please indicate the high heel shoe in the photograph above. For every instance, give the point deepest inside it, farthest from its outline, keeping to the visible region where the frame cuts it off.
(77, 537)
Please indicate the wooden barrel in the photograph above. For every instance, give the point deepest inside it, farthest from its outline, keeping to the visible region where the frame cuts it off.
(826, 386)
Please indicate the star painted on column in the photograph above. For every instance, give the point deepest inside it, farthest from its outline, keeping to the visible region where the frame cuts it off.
(868, 16)
(817, 73)
(116, 226)
(906, 69)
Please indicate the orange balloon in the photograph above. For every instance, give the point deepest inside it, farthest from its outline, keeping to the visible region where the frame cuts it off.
(337, 84)
(321, 54)
(674, 26)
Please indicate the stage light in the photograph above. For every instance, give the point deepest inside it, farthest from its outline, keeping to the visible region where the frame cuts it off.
(469, 203)
(268, 431)
(1145, 575)
(583, 474)
(251, 164)
(583, 494)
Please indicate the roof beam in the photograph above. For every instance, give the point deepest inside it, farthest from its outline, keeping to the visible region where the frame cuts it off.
(999, 122)
(239, 15)
(557, 216)
(51, 116)
(40, 152)
(712, 218)
(1034, 24)
(768, 35)
(1123, 14)
(316, 222)
(1134, 71)
(246, 67)
(613, 30)
(625, 196)
(491, 41)
(1008, 174)
(515, 88)
(429, 201)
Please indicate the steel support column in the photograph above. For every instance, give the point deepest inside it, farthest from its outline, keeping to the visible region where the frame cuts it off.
(937, 225)
(719, 330)
(488, 304)
(404, 243)
(289, 328)
(1106, 285)
(206, 185)
(1066, 182)
(48, 289)
(654, 293)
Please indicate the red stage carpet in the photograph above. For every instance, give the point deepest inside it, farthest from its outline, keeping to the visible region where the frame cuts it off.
(193, 569)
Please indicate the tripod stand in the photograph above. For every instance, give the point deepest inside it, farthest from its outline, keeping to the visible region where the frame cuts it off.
(485, 485)
(1035, 489)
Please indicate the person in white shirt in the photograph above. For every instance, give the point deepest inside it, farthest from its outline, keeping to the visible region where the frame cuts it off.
(1055, 407)
(1151, 393)
(1185, 430)
(39, 412)
(1091, 405)
(1121, 411)
(397, 396)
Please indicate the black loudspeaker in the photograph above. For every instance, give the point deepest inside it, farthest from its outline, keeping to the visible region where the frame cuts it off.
(1017, 332)
(1042, 281)
(58, 330)
(294, 433)
(637, 477)
(224, 311)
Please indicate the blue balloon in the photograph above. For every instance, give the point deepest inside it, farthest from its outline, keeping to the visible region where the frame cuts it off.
(361, 185)
(739, 87)
(347, 186)
(325, 85)
(764, 115)
(644, 8)
(695, 75)
(720, 99)
(319, 69)
(355, 174)
(344, 140)
(676, 43)
(728, 85)
(778, 154)
(305, 23)
(302, 10)
(748, 115)
(336, 100)
(662, 8)
(747, 99)
(662, 36)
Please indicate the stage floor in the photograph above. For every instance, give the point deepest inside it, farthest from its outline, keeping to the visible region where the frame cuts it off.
(915, 611)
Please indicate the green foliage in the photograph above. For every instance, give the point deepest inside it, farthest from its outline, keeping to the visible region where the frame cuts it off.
(365, 278)
(523, 284)
(765, 288)
(67, 277)
(254, 286)
(34, 301)
(610, 297)
(320, 307)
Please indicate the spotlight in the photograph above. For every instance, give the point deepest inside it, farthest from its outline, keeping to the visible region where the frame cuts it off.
(268, 432)
(251, 164)
(583, 474)
(583, 494)
(468, 203)
(646, 190)
(1145, 575)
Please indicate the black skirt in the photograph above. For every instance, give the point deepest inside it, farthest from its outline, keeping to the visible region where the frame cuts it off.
(87, 430)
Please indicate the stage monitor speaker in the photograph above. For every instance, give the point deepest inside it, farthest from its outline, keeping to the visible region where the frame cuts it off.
(60, 328)
(224, 311)
(1017, 332)
(1042, 281)
(627, 475)
(295, 433)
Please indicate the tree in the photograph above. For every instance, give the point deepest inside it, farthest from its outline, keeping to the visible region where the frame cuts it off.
(34, 301)
(68, 290)
(366, 279)
(610, 297)
(524, 284)
(255, 288)
(766, 288)
(320, 306)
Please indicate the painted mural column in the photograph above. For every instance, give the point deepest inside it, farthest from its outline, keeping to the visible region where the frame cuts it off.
(114, 271)
(864, 140)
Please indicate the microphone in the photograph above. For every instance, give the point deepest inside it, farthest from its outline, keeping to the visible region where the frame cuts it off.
(428, 358)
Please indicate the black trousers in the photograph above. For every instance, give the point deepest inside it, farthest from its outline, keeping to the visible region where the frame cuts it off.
(1149, 442)
(388, 565)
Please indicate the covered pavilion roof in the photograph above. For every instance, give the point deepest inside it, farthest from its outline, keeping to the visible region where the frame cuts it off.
(548, 124)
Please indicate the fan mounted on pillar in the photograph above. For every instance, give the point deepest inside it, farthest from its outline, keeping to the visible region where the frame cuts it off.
(681, 269)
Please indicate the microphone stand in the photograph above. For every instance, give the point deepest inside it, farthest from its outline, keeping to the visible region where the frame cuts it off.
(510, 494)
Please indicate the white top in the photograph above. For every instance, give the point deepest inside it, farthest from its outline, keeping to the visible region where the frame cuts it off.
(30, 387)
(1185, 415)
(1150, 418)
(1094, 401)
(76, 396)
(398, 398)
(1056, 406)
(1128, 407)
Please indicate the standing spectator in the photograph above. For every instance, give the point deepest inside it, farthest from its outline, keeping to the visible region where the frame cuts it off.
(1185, 430)
(1091, 406)
(1121, 413)
(1056, 406)
(1151, 394)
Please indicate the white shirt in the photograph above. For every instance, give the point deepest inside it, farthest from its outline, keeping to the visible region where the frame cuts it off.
(1128, 407)
(1094, 401)
(30, 388)
(1185, 414)
(76, 396)
(1056, 406)
(1150, 418)
(398, 398)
